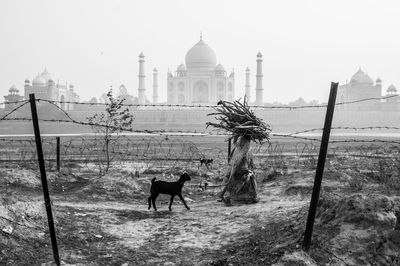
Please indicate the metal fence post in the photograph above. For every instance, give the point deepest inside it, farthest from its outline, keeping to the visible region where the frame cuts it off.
(320, 166)
(44, 178)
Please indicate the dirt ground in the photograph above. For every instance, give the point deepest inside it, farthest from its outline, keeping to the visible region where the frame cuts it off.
(105, 221)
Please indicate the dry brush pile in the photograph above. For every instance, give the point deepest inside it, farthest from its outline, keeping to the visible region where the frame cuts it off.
(240, 121)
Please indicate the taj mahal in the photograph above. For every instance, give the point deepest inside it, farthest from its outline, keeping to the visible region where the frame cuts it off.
(200, 80)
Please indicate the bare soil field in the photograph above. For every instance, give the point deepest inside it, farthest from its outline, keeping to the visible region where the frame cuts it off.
(105, 220)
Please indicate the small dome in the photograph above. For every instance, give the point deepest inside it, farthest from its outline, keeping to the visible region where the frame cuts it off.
(141, 55)
(122, 90)
(361, 77)
(39, 80)
(27, 81)
(219, 67)
(50, 81)
(391, 88)
(13, 88)
(181, 67)
(247, 69)
(378, 80)
(201, 56)
(155, 70)
(259, 54)
(71, 86)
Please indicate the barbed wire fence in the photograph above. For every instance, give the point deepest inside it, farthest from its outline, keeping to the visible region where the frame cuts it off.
(162, 148)
(160, 151)
(167, 149)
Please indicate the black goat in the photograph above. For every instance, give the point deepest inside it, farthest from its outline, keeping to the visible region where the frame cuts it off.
(170, 188)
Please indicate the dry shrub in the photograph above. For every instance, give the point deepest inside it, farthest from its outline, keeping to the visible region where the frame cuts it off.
(357, 182)
(389, 174)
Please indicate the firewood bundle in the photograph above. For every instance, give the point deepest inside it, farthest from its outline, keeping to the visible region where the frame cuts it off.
(237, 118)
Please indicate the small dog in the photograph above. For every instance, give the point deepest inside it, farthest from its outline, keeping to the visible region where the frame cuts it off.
(206, 162)
(170, 188)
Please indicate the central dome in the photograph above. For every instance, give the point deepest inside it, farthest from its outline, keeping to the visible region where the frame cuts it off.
(46, 75)
(361, 77)
(201, 56)
(39, 80)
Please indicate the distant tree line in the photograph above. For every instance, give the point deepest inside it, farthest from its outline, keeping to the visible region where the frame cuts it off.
(298, 102)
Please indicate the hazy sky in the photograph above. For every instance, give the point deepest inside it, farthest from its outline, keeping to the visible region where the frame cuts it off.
(95, 44)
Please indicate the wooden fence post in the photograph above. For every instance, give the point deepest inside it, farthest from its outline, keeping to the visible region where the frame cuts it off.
(229, 149)
(320, 166)
(44, 178)
(58, 154)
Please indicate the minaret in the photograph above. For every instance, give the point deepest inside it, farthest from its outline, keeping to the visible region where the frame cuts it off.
(142, 86)
(247, 85)
(155, 86)
(259, 76)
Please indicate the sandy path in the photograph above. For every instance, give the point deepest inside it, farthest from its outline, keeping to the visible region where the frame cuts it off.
(207, 226)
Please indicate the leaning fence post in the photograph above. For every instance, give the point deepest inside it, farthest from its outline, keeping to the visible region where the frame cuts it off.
(58, 154)
(44, 178)
(320, 166)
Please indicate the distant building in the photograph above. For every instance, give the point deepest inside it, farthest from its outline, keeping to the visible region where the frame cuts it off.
(392, 103)
(362, 86)
(12, 98)
(123, 94)
(44, 87)
(201, 80)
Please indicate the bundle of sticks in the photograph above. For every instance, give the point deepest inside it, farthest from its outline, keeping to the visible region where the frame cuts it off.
(237, 118)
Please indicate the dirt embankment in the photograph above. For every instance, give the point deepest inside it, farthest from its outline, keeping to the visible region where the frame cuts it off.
(105, 221)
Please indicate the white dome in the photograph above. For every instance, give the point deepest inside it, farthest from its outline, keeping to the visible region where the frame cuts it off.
(46, 75)
(361, 77)
(391, 88)
(181, 67)
(219, 67)
(39, 80)
(201, 56)
(13, 88)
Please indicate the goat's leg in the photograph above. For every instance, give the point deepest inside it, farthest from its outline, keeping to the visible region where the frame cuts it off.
(170, 202)
(182, 199)
(149, 202)
(222, 193)
(153, 200)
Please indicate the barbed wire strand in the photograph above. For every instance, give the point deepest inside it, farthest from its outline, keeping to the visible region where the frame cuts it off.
(13, 110)
(203, 133)
(123, 129)
(212, 106)
(13, 102)
(346, 128)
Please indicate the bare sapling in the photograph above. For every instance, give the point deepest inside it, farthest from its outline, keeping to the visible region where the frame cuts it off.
(108, 125)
